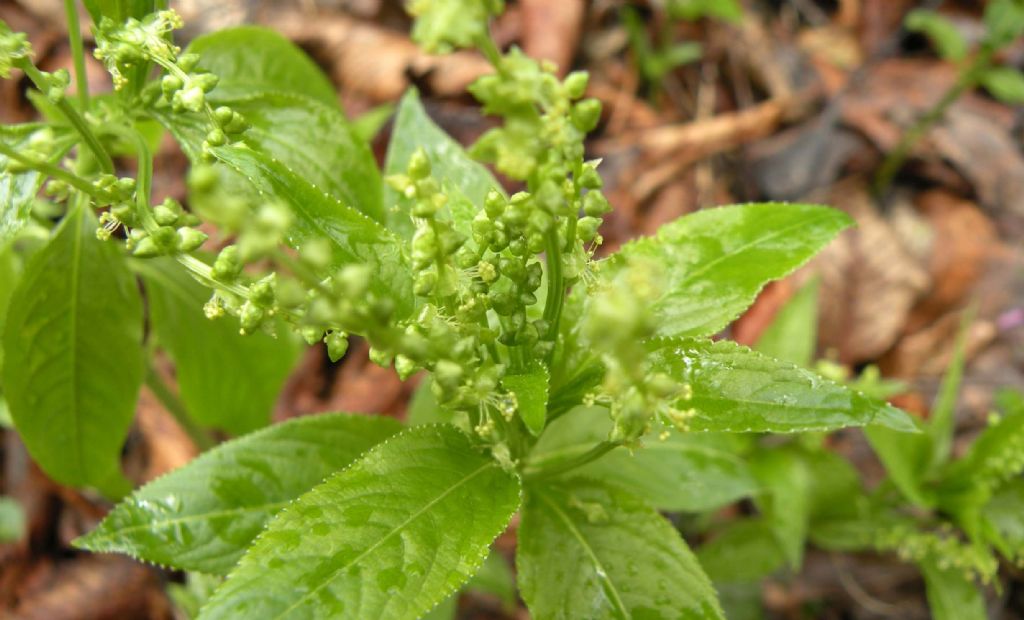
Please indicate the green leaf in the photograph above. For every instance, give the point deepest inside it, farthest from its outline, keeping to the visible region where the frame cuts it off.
(1004, 83)
(10, 272)
(714, 262)
(531, 391)
(1005, 515)
(368, 124)
(905, 458)
(73, 347)
(17, 189)
(466, 181)
(226, 380)
(793, 334)
(743, 551)
(441, 25)
(204, 515)
(942, 423)
(445, 610)
(726, 10)
(691, 473)
(587, 550)
(423, 407)
(739, 390)
(948, 41)
(951, 596)
(250, 60)
(355, 238)
(786, 503)
(390, 537)
(995, 456)
(118, 10)
(1004, 22)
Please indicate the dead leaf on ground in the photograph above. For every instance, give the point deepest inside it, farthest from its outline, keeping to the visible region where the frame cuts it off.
(869, 280)
(551, 30)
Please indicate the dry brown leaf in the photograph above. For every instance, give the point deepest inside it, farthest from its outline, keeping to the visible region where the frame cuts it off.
(551, 30)
(869, 280)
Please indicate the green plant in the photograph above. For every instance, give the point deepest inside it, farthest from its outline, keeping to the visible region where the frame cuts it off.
(547, 368)
(952, 517)
(1004, 23)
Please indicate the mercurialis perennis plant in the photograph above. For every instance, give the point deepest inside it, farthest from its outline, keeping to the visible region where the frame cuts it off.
(554, 380)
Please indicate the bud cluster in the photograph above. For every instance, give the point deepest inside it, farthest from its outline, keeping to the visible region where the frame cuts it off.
(14, 48)
(942, 547)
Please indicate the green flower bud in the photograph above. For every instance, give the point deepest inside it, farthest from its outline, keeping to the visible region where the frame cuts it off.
(488, 272)
(190, 239)
(424, 283)
(503, 302)
(124, 213)
(170, 84)
(146, 248)
(337, 345)
(380, 357)
(424, 247)
(494, 204)
(595, 204)
(191, 99)
(188, 62)
(205, 81)
(586, 114)
(312, 335)
(166, 237)
(223, 114)
(228, 264)
(587, 227)
(164, 216)
(467, 256)
(263, 291)
(405, 367)
(419, 165)
(448, 374)
(216, 137)
(250, 317)
(575, 84)
(589, 178)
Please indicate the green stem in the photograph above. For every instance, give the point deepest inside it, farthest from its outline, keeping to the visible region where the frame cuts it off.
(174, 406)
(562, 467)
(72, 115)
(56, 172)
(78, 53)
(556, 284)
(894, 161)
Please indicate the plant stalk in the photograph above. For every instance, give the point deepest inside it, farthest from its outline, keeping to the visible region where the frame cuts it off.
(78, 53)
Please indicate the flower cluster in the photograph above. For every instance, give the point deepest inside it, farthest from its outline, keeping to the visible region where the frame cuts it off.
(14, 49)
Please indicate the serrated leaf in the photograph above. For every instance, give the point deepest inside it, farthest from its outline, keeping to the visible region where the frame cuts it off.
(531, 391)
(465, 181)
(588, 550)
(73, 348)
(738, 390)
(390, 537)
(1004, 83)
(690, 473)
(355, 238)
(251, 59)
(743, 551)
(951, 596)
(714, 262)
(948, 41)
(793, 334)
(226, 380)
(202, 516)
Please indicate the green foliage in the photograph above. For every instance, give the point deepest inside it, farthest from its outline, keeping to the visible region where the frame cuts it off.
(950, 595)
(793, 334)
(226, 380)
(574, 535)
(726, 10)
(744, 246)
(948, 41)
(203, 516)
(418, 512)
(12, 520)
(73, 355)
(495, 299)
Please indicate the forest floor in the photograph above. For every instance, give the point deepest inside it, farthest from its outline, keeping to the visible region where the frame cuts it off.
(798, 100)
